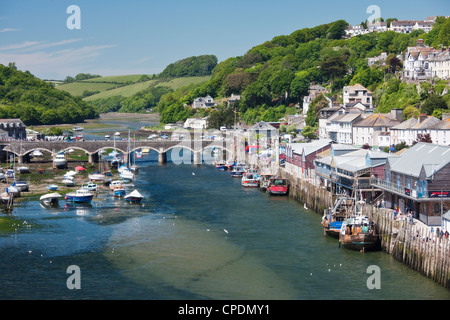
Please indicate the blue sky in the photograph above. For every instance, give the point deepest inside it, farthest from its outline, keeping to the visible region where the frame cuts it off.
(143, 37)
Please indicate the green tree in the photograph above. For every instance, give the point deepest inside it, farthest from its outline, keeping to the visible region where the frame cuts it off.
(221, 116)
(431, 103)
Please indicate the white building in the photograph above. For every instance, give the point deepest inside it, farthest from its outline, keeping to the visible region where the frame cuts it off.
(203, 102)
(374, 129)
(358, 93)
(196, 123)
(408, 130)
(439, 65)
(440, 132)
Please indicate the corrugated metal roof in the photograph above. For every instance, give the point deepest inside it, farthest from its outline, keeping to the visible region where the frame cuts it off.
(430, 157)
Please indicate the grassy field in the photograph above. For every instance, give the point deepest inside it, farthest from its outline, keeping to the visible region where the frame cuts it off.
(117, 85)
(129, 90)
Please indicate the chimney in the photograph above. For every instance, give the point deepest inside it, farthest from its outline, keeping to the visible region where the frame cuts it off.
(397, 114)
(419, 43)
(422, 117)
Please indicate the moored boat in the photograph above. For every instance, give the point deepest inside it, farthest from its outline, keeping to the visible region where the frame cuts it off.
(52, 187)
(249, 180)
(358, 233)
(50, 198)
(96, 177)
(60, 161)
(334, 216)
(119, 191)
(69, 181)
(23, 169)
(134, 197)
(80, 195)
(90, 186)
(237, 171)
(278, 186)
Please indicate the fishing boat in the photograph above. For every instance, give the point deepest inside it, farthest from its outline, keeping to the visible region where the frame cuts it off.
(52, 187)
(60, 161)
(237, 172)
(264, 180)
(139, 154)
(119, 191)
(134, 197)
(114, 184)
(50, 198)
(249, 180)
(278, 186)
(219, 165)
(358, 233)
(334, 216)
(80, 195)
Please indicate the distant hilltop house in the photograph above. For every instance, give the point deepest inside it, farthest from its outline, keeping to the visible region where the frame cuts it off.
(12, 128)
(401, 26)
(203, 102)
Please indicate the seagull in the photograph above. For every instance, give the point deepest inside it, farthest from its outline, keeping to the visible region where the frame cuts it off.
(304, 206)
(226, 231)
(193, 173)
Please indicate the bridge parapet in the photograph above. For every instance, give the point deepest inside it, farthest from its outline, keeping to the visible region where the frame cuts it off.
(23, 148)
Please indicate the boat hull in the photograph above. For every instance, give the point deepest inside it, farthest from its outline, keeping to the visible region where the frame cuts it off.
(360, 242)
(119, 193)
(76, 198)
(133, 199)
(280, 191)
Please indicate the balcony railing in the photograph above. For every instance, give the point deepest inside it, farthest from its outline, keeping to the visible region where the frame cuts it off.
(401, 190)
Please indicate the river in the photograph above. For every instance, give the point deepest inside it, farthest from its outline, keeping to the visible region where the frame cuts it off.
(197, 235)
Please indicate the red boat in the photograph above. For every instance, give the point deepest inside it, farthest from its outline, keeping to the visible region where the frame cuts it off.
(278, 186)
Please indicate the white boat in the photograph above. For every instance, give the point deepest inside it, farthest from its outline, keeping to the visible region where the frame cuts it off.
(114, 184)
(250, 180)
(2, 176)
(76, 128)
(90, 186)
(13, 191)
(134, 196)
(96, 177)
(50, 198)
(60, 161)
(37, 153)
(6, 198)
(71, 173)
(69, 182)
(9, 174)
(21, 185)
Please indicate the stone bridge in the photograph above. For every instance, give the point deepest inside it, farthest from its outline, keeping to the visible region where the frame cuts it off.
(199, 148)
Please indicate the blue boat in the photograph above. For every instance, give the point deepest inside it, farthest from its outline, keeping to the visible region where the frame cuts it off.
(81, 195)
(119, 191)
(334, 217)
(52, 187)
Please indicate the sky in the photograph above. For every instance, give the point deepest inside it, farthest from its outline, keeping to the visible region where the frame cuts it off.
(144, 36)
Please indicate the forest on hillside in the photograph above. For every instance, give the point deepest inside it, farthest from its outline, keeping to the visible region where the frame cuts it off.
(36, 102)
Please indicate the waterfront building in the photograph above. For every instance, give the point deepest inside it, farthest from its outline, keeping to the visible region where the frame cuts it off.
(300, 157)
(351, 169)
(418, 180)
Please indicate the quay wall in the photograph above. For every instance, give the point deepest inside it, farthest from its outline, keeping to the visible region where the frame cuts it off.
(410, 242)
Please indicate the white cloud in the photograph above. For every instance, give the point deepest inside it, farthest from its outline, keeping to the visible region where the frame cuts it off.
(8, 30)
(52, 60)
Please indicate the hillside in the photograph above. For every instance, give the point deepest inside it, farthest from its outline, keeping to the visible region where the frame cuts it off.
(35, 101)
(273, 77)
